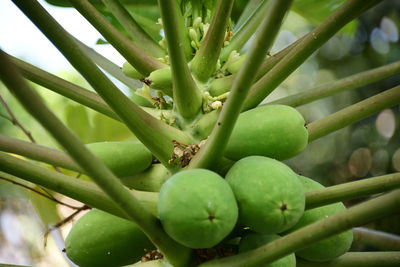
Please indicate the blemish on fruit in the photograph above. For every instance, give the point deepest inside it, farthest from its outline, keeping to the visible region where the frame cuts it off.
(211, 217)
(283, 207)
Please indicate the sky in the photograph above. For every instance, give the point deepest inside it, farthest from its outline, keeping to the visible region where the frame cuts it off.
(20, 37)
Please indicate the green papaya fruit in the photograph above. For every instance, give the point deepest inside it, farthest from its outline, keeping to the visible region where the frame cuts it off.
(161, 79)
(235, 66)
(123, 158)
(271, 199)
(220, 86)
(252, 241)
(329, 248)
(197, 208)
(275, 131)
(131, 72)
(100, 239)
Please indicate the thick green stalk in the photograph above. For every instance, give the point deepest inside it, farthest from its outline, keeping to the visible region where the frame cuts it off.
(213, 150)
(358, 259)
(109, 66)
(138, 58)
(138, 35)
(94, 167)
(353, 113)
(37, 152)
(145, 127)
(250, 7)
(377, 239)
(187, 96)
(65, 88)
(240, 38)
(224, 84)
(360, 214)
(73, 91)
(352, 190)
(205, 60)
(83, 191)
(311, 42)
(348, 83)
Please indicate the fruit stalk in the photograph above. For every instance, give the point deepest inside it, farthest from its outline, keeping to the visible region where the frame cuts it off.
(361, 214)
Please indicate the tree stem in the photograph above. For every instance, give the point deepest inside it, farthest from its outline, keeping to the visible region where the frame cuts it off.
(311, 42)
(138, 58)
(205, 60)
(348, 83)
(240, 38)
(377, 239)
(357, 259)
(93, 166)
(143, 125)
(37, 152)
(210, 154)
(360, 214)
(187, 96)
(138, 35)
(353, 113)
(83, 191)
(352, 190)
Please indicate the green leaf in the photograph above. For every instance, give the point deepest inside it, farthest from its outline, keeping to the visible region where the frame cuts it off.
(45, 208)
(316, 11)
(77, 119)
(106, 129)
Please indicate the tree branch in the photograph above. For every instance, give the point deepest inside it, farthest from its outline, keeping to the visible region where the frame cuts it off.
(210, 154)
(360, 214)
(187, 96)
(353, 113)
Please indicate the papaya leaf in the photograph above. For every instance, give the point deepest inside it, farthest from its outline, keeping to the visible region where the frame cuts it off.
(316, 11)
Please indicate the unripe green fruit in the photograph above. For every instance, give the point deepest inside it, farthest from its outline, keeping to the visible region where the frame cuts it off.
(255, 240)
(235, 66)
(274, 131)
(161, 79)
(130, 71)
(326, 249)
(123, 158)
(197, 208)
(269, 194)
(100, 239)
(220, 86)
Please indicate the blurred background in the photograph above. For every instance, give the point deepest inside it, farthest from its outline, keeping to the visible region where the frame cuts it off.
(368, 148)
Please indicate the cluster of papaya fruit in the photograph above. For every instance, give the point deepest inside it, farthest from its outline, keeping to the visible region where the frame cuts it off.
(259, 197)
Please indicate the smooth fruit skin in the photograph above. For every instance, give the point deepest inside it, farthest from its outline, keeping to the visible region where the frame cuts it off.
(100, 239)
(197, 208)
(275, 131)
(123, 158)
(332, 247)
(255, 240)
(270, 197)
